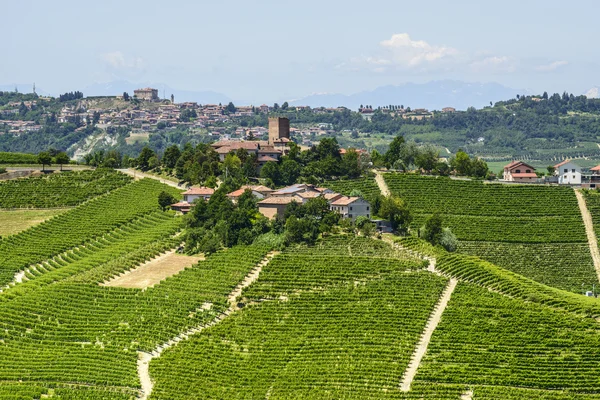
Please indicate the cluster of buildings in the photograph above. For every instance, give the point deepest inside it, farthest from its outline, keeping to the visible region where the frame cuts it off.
(399, 111)
(273, 203)
(566, 172)
(18, 127)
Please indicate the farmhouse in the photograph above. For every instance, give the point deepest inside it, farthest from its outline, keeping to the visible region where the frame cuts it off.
(518, 171)
(568, 173)
(196, 193)
(259, 191)
(274, 207)
(352, 207)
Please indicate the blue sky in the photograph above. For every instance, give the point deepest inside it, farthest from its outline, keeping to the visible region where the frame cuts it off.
(268, 50)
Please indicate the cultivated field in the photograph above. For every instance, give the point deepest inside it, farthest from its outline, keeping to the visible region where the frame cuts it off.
(15, 221)
(95, 303)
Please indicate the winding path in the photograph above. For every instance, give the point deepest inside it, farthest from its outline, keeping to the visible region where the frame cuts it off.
(381, 183)
(139, 175)
(421, 348)
(144, 358)
(589, 230)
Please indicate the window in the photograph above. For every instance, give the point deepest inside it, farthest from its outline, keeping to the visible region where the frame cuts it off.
(350, 208)
(518, 171)
(528, 170)
(349, 215)
(368, 215)
(573, 170)
(573, 176)
(566, 170)
(367, 208)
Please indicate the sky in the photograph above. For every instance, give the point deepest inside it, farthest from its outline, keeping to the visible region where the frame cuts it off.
(261, 51)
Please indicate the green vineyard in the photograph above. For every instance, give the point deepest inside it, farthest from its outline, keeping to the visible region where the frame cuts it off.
(349, 317)
(59, 190)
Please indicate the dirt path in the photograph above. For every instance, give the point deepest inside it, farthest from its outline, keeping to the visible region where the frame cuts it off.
(139, 175)
(421, 348)
(154, 271)
(589, 230)
(381, 183)
(468, 395)
(145, 358)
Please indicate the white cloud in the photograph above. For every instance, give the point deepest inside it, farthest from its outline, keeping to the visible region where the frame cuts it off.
(494, 64)
(552, 66)
(117, 59)
(411, 53)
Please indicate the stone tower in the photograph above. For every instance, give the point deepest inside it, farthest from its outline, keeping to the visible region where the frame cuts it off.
(279, 128)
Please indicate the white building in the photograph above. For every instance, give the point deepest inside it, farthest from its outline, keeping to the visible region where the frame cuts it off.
(352, 207)
(568, 173)
(196, 193)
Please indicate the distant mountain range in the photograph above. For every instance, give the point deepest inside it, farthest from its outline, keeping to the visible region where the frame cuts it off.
(433, 95)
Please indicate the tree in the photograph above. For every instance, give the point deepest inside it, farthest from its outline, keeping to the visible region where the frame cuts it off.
(275, 106)
(125, 96)
(395, 210)
(165, 199)
(144, 158)
(62, 158)
(426, 158)
(95, 117)
(448, 240)
(461, 163)
(172, 154)
(285, 106)
(432, 231)
(44, 158)
(550, 170)
(395, 150)
(230, 108)
(270, 171)
(479, 168)
(289, 172)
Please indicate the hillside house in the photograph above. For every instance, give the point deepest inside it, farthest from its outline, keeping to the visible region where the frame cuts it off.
(274, 207)
(518, 171)
(193, 194)
(352, 207)
(258, 191)
(568, 173)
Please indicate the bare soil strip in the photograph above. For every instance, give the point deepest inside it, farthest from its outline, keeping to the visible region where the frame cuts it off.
(154, 271)
(589, 231)
(140, 175)
(468, 395)
(144, 358)
(381, 183)
(421, 349)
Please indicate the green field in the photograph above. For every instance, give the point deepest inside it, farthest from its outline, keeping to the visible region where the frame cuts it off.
(15, 221)
(343, 318)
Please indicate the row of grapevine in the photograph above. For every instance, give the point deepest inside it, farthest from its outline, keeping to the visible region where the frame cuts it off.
(485, 339)
(77, 331)
(142, 237)
(17, 158)
(460, 197)
(338, 326)
(77, 226)
(59, 190)
(564, 266)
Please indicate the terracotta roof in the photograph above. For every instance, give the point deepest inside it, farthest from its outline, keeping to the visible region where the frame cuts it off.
(280, 200)
(266, 159)
(562, 163)
(344, 201)
(309, 195)
(257, 188)
(597, 168)
(515, 163)
(332, 196)
(181, 204)
(525, 175)
(201, 191)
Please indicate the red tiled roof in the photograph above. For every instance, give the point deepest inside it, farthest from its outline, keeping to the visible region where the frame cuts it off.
(280, 200)
(257, 188)
(525, 175)
(201, 191)
(181, 204)
(597, 168)
(344, 201)
(517, 163)
(266, 159)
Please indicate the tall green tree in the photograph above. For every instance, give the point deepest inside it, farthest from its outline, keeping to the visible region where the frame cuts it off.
(62, 158)
(44, 158)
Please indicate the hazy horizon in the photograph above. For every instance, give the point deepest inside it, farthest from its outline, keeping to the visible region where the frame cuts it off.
(276, 51)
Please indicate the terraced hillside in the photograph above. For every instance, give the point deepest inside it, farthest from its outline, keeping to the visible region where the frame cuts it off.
(59, 190)
(536, 231)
